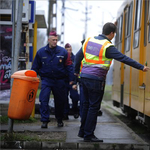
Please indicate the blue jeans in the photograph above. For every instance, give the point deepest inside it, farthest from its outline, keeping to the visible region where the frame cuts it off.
(93, 91)
(81, 98)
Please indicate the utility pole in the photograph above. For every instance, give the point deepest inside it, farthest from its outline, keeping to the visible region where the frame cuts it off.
(102, 22)
(16, 50)
(52, 16)
(18, 35)
(86, 20)
(62, 23)
(13, 34)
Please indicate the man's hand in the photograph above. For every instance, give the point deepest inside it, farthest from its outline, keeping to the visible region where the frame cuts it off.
(76, 74)
(74, 87)
(145, 69)
(71, 82)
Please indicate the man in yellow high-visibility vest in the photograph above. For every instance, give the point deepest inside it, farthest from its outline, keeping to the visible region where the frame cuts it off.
(96, 55)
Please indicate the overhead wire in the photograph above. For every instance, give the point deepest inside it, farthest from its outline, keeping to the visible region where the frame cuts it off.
(69, 18)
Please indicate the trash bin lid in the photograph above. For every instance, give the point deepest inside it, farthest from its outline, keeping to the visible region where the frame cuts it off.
(29, 75)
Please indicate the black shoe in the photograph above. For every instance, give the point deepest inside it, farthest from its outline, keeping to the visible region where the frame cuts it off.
(65, 117)
(76, 115)
(100, 113)
(60, 124)
(92, 139)
(80, 135)
(44, 125)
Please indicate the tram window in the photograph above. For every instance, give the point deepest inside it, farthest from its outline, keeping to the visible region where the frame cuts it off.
(130, 18)
(128, 27)
(126, 31)
(137, 15)
(120, 28)
(118, 37)
(117, 32)
(145, 22)
(126, 23)
(137, 23)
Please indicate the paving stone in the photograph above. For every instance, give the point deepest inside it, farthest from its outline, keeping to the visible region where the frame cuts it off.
(50, 145)
(32, 145)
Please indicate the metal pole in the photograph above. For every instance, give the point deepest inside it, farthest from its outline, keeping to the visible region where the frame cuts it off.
(35, 39)
(49, 17)
(18, 34)
(13, 35)
(86, 18)
(16, 49)
(34, 53)
(62, 23)
(10, 121)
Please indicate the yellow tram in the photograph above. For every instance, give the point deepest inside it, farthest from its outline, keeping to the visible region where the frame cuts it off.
(131, 87)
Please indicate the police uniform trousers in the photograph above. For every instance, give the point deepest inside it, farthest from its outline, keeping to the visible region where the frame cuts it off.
(74, 97)
(93, 91)
(58, 89)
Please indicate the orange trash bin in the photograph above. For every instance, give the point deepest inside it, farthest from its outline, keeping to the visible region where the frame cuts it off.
(23, 94)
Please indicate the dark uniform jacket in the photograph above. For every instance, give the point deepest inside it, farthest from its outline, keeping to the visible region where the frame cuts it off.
(52, 64)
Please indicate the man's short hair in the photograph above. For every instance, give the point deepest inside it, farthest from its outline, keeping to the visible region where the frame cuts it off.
(108, 28)
(53, 33)
(67, 45)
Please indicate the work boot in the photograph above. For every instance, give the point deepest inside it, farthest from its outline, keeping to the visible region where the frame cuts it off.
(76, 115)
(60, 124)
(81, 135)
(44, 125)
(92, 139)
(65, 117)
(100, 113)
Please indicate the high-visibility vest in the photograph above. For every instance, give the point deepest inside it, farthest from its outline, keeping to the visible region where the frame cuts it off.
(94, 51)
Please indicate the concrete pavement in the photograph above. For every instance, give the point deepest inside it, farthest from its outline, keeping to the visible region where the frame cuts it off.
(114, 133)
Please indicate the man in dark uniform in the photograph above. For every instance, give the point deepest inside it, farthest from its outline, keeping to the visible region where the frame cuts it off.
(52, 63)
(73, 93)
(96, 55)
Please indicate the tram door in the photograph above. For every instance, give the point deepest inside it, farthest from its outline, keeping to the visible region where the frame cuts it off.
(137, 78)
(123, 51)
(128, 49)
(147, 56)
(117, 65)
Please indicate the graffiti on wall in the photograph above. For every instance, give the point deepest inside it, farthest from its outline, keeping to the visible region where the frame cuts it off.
(5, 56)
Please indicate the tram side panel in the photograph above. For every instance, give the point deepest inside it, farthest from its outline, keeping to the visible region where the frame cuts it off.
(147, 76)
(147, 90)
(129, 14)
(137, 94)
(116, 82)
(116, 93)
(126, 98)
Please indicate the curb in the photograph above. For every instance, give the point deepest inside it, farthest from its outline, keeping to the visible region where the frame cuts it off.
(71, 146)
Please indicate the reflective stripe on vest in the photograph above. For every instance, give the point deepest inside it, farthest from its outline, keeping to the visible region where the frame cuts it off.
(94, 51)
(96, 65)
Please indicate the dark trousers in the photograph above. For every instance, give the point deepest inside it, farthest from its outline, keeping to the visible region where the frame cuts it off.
(93, 91)
(74, 97)
(60, 96)
(81, 98)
